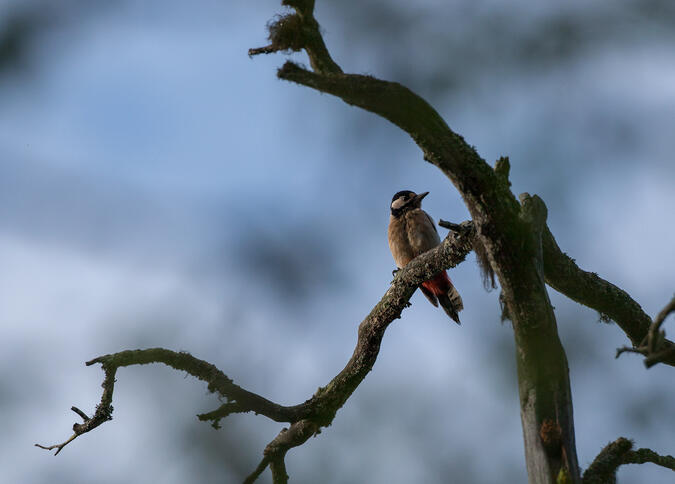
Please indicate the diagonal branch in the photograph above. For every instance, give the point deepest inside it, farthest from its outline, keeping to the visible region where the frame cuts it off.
(324, 404)
(307, 418)
(589, 289)
(102, 414)
(275, 451)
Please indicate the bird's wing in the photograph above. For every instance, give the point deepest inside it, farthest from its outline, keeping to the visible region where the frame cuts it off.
(431, 221)
(422, 233)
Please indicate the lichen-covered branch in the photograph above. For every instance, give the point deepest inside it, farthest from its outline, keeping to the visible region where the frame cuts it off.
(451, 252)
(102, 414)
(603, 468)
(241, 400)
(306, 418)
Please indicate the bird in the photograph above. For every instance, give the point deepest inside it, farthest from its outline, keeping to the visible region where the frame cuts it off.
(412, 232)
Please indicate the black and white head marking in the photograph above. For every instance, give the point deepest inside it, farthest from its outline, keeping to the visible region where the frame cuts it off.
(404, 200)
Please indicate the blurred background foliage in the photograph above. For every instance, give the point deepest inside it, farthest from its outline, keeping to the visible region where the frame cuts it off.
(159, 188)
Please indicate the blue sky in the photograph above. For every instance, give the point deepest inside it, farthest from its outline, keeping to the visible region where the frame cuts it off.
(160, 188)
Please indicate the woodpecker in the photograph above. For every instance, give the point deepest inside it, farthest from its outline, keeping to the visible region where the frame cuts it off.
(411, 232)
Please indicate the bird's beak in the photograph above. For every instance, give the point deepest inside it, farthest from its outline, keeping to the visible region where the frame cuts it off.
(421, 196)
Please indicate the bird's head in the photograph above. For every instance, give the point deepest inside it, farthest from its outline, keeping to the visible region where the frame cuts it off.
(406, 200)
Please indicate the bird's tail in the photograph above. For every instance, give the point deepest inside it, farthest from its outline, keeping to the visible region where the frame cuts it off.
(450, 300)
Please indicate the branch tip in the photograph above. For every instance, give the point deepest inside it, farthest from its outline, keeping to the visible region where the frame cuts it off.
(80, 413)
(654, 346)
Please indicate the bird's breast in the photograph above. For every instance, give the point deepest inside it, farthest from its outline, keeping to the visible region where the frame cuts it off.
(399, 244)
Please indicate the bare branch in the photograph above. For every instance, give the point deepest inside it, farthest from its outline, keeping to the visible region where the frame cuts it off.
(663, 314)
(102, 414)
(655, 335)
(628, 349)
(221, 412)
(80, 413)
(58, 447)
(587, 288)
(329, 399)
(642, 456)
(318, 411)
(453, 226)
(603, 468)
(654, 346)
(217, 381)
(275, 452)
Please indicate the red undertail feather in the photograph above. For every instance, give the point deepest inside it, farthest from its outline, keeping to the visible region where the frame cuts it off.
(441, 287)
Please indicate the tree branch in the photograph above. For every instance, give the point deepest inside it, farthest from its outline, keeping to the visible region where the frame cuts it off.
(241, 400)
(654, 346)
(603, 468)
(307, 418)
(588, 289)
(275, 452)
(102, 414)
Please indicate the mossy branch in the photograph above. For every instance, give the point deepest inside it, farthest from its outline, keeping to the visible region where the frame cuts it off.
(603, 468)
(307, 418)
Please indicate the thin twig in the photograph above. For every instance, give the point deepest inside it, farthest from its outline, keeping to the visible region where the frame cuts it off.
(451, 226)
(654, 330)
(654, 346)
